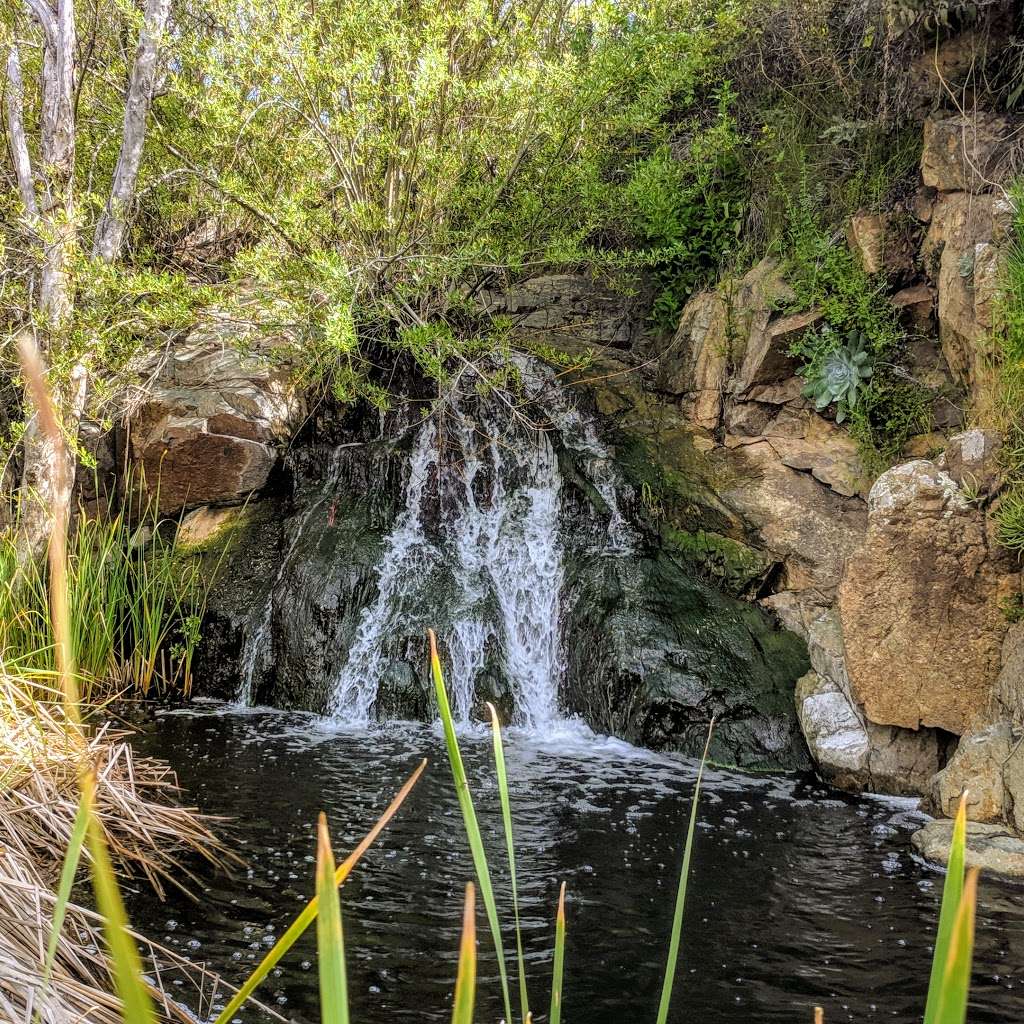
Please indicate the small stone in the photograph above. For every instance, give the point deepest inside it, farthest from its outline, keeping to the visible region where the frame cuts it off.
(992, 848)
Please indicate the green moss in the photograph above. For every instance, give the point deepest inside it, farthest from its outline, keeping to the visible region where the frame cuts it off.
(728, 564)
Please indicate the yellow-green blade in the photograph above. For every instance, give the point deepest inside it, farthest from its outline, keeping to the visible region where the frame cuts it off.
(506, 815)
(684, 873)
(952, 892)
(476, 843)
(329, 940)
(68, 871)
(956, 978)
(309, 912)
(555, 1015)
(465, 980)
(126, 965)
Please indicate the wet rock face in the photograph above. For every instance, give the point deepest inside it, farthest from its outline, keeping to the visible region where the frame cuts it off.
(652, 654)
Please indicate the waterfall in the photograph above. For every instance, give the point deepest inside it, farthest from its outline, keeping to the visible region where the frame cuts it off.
(476, 550)
(496, 556)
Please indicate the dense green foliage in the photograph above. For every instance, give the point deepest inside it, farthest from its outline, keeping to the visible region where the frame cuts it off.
(1009, 407)
(351, 177)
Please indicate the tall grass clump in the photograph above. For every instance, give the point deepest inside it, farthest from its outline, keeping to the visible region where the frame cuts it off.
(134, 607)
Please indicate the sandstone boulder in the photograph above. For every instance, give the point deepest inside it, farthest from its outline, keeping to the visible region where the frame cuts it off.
(216, 407)
(993, 848)
(809, 528)
(1008, 697)
(835, 733)
(877, 245)
(964, 152)
(753, 300)
(920, 604)
(848, 750)
(828, 453)
(767, 361)
(977, 767)
(915, 305)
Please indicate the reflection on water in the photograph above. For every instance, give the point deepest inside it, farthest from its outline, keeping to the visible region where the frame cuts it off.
(800, 895)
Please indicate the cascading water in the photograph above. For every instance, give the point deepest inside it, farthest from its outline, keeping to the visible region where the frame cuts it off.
(494, 552)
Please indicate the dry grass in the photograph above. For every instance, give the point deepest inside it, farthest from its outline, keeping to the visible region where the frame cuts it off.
(41, 755)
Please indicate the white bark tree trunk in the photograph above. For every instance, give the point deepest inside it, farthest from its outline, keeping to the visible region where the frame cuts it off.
(110, 229)
(48, 471)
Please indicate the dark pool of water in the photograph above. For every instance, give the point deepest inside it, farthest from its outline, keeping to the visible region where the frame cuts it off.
(799, 895)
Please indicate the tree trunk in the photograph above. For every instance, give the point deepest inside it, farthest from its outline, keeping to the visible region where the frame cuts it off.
(48, 471)
(110, 229)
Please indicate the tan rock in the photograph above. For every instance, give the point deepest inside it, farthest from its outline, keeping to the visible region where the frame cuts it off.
(920, 604)
(752, 301)
(972, 460)
(977, 767)
(217, 404)
(965, 152)
(828, 453)
(1008, 696)
(767, 360)
(875, 243)
(696, 363)
(916, 305)
(810, 528)
(786, 392)
(993, 848)
(961, 255)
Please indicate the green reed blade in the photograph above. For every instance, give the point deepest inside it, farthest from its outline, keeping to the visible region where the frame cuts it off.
(506, 815)
(677, 918)
(309, 912)
(330, 942)
(952, 892)
(67, 878)
(555, 1015)
(476, 843)
(465, 980)
(126, 965)
(956, 979)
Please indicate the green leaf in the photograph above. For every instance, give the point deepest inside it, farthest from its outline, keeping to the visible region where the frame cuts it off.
(555, 1014)
(67, 879)
(126, 966)
(506, 815)
(956, 978)
(330, 942)
(476, 843)
(677, 918)
(952, 892)
(465, 980)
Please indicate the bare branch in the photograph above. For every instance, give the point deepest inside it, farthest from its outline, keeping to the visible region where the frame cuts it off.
(16, 128)
(110, 229)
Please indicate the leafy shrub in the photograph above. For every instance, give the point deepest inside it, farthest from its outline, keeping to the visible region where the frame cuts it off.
(690, 208)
